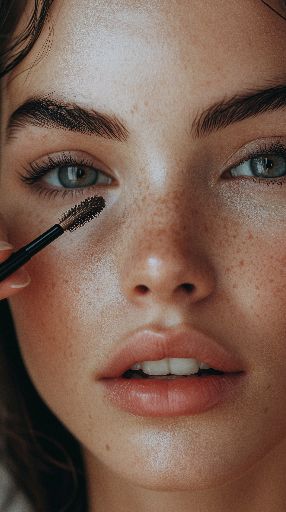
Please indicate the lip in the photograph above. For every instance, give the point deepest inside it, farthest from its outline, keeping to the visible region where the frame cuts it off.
(150, 344)
(179, 397)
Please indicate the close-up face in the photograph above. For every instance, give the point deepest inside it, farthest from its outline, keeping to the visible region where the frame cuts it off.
(192, 234)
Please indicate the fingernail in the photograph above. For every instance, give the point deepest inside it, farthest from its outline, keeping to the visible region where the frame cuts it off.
(22, 279)
(5, 245)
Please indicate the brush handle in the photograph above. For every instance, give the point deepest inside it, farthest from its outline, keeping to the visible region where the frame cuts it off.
(19, 258)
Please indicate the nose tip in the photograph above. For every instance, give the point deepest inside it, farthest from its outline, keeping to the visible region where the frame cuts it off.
(163, 279)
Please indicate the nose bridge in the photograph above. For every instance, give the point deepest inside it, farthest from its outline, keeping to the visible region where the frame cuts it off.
(165, 220)
(164, 253)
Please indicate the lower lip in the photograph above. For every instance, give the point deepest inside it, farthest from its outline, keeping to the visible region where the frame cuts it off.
(177, 397)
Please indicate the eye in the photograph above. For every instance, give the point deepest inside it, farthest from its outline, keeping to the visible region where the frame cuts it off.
(266, 166)
(64, 174)
(267, 163)
(75, 176)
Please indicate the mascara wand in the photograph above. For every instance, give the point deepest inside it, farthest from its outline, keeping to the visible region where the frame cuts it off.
(71, 220)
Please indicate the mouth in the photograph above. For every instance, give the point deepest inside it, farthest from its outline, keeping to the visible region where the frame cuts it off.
(139, 374)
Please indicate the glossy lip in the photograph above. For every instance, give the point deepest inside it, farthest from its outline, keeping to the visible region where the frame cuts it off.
(150, 344)
(170, 398)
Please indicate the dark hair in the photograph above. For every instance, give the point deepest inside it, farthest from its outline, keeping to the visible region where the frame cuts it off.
(13, 51)
(42, 456)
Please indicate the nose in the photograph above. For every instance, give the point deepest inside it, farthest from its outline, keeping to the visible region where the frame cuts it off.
(167, 263)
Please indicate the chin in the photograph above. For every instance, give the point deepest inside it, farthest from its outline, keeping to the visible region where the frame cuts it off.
(191, 477)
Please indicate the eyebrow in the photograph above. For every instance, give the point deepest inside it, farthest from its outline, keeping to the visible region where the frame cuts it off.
(250, 103)
(53, 113)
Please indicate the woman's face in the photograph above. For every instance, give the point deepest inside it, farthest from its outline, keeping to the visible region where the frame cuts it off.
(175, 213)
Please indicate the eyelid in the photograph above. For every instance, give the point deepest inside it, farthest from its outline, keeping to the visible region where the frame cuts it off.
(42, 166)
(262, 146)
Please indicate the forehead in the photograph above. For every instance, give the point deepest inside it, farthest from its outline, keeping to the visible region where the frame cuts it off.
(143, 49)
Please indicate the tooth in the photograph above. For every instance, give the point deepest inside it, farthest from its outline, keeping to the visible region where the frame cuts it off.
(176, 366)
(180, 366)
(156, 367)
(136, 366)
(204, 366)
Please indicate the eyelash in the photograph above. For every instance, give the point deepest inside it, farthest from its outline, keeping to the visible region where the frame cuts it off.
(265, 149)
(36, 171)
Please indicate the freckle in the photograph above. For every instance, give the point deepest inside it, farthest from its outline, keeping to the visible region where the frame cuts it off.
(241, 263)
(134, 109)
(206, 229)
(107, 447)
(265, 410)
(234, 286)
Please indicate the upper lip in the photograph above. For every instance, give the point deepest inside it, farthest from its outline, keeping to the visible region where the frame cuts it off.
(154, 344)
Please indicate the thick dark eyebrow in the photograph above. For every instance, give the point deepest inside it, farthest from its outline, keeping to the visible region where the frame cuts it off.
(247, 104)
(52, 113)
(70, 116)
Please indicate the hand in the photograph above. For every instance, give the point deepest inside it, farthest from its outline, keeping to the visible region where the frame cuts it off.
(16, 281)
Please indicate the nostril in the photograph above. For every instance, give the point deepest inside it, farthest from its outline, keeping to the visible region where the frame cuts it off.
(142, 289)
(188, 287)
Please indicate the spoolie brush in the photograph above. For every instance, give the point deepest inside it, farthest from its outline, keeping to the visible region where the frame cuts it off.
(74, 218)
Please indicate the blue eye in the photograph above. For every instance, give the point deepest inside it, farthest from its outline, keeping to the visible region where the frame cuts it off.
(266, 163)
(267, 166)
(68, 175)
(75, 176)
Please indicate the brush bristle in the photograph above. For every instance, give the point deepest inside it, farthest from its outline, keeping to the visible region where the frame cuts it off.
(82, 213)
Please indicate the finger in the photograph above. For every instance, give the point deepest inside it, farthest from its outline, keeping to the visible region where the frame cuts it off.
(5, 248)
(16, 281)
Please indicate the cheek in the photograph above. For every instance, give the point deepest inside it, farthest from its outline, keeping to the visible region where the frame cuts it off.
(260, 280)
(56, 320)
(254, 295)
(44, 316)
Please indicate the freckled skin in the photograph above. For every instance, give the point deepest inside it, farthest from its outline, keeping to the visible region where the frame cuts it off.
(170, 219)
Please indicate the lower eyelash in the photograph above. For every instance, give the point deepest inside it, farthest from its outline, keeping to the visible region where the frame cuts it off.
(52, 193)
(36, 171)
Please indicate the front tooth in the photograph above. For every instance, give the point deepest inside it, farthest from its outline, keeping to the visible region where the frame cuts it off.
(180, 366)
(156, 367)
(136, 366)
(204, 366)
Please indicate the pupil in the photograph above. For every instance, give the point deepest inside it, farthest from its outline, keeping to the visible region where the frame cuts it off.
(80, 173)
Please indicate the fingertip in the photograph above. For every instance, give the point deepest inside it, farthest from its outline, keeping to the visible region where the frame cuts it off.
(5, 246)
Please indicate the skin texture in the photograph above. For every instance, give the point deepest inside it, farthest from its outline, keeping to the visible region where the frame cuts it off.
(171, 218)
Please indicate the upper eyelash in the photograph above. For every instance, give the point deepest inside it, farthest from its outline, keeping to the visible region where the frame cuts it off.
(36, 171)
(274, 148)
